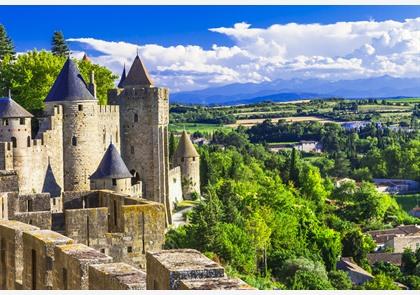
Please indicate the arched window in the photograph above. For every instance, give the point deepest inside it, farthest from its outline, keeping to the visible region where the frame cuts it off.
(136, 118)
(28, 140)
(74, 141)
(14, 143)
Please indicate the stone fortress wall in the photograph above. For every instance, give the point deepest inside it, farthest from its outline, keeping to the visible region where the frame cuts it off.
(35, 259)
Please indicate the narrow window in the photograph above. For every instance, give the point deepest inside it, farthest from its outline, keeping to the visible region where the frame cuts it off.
(87, 230)
(136, 118)
(182, 159)
(103, 250)
(74, 141)
(34, 270)
(104, 137)
(129, 249)
(193, 158)
(80, 107)
(30, 209)
(5, 122)
(14, 142)
(65, 287)
(116, 136)
(22, 121)
(28, 139)
(114, 182)
(115, 212)
(54, 201)
(132, 149)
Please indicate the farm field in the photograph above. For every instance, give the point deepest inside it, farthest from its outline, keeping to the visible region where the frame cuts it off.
(193, 127)
(252, 122)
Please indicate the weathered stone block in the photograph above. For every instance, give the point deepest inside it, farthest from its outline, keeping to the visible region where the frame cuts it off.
(71, 266)
(116, 276)
(166, 269)
(38, 254)
(11, 252)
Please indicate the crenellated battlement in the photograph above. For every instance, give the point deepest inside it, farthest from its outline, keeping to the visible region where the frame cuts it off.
(109, 109)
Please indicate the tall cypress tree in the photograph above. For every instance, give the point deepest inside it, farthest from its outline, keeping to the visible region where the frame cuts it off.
(59, 45)
(172, 146)
(6, 44)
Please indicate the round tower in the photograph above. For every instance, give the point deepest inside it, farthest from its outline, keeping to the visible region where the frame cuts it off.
(112, 173)
(188, 159)
(15, 129)
(81, 140)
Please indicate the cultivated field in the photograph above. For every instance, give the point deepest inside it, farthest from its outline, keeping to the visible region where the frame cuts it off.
(252, 122)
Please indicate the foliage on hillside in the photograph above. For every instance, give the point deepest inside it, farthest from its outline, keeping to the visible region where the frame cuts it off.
(276, 221)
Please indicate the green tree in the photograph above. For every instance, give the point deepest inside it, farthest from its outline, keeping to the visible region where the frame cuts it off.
(104, 78)
(381, 282)
(58, 45)
(172, 146)
(293, 167)
(30, 77)
(306, 280)
(340, 280)
(357, 245)
(408, 262)
(312, 185)
(6, 44)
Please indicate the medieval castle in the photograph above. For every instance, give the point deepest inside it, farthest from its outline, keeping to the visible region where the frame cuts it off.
(86, 202)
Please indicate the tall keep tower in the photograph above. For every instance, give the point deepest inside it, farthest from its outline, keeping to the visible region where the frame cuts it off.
(81, 141)
(144, 118)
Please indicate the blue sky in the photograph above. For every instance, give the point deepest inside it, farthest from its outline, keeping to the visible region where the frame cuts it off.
(32, 26)
(253, 43)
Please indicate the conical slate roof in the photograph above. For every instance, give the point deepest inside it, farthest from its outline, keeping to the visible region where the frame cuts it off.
(111, 166)
(137, 75)
(185, 148)
(50, 184)
(69, 85)
(11, 109)
(123, 76)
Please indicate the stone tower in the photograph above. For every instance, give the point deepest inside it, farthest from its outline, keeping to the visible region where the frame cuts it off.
(144, 118)
(188, 159)
(112, 173)
(15, 127)
(81, 140)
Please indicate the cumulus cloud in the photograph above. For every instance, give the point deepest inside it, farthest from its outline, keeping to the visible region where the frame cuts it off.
(343, 50)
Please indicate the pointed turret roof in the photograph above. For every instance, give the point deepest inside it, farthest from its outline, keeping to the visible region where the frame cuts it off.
(185, 148)
(137, 75)
(11, 109)
(50, 183)
(111, 166)
(123, 76)
(69, 85)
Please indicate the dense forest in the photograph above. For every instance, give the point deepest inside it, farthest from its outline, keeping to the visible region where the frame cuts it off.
(278, 221)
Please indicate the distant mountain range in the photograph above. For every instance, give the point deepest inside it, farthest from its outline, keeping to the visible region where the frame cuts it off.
(295, 89)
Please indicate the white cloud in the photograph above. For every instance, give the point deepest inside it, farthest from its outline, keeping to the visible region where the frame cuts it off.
(343, 50)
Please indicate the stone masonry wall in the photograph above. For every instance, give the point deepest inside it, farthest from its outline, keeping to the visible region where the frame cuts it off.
(88, 226)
